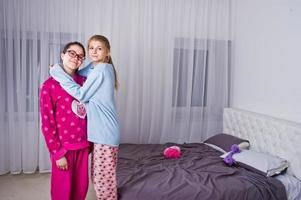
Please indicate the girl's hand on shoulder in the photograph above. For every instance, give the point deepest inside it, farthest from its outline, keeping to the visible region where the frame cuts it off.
(62, 163)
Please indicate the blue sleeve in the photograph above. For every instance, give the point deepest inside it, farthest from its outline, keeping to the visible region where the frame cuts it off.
(84, 71)
(84, 93)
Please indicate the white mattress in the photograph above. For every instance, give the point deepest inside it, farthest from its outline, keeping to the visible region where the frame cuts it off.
(292, 186)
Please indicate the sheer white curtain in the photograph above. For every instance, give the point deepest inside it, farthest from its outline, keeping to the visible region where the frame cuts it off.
(172, 58)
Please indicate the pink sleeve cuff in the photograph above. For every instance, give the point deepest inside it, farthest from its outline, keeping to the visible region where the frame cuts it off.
(59, 154)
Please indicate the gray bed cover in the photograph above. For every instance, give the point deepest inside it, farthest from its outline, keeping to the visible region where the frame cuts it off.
(144, 174)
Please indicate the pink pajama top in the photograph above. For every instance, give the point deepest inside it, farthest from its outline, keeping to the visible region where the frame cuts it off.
(63, 118)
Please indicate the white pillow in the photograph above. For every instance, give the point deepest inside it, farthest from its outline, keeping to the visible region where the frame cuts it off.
(268, 164)
(216, 147)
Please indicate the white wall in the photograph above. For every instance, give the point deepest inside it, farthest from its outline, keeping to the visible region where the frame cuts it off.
(266, 75)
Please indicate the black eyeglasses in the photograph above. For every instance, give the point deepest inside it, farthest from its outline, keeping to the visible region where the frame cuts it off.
(73, 54)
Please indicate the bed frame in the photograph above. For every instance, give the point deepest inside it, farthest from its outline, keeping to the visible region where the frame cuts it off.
(267, 134)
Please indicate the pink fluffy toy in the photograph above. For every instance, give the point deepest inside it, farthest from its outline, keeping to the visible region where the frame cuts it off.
(172, 152)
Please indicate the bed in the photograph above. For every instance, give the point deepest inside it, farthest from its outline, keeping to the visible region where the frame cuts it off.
(143, 173)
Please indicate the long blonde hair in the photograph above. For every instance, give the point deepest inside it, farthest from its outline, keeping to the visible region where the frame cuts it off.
(106, 42)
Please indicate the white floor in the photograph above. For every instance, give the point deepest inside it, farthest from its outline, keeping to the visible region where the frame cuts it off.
(29, 187)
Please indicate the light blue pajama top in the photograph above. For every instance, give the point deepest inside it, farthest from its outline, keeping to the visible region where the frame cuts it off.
(97, 93)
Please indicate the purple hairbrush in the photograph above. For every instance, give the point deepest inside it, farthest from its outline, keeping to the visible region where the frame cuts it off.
(228, 159)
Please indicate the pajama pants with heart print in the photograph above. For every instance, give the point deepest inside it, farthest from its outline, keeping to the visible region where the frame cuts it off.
(103, 171)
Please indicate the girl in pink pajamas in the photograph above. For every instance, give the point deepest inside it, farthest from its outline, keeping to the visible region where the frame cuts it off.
(64, 126)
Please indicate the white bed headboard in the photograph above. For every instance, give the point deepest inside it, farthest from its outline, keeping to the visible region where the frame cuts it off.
(267, 134)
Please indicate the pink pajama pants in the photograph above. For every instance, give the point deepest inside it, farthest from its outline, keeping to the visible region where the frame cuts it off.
(103, 171)
(71, 184)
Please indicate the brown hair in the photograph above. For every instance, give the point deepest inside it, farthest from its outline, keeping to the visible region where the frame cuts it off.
(106, 42)
(68, 45)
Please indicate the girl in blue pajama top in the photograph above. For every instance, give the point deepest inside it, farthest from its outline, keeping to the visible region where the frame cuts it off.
(97, 93)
